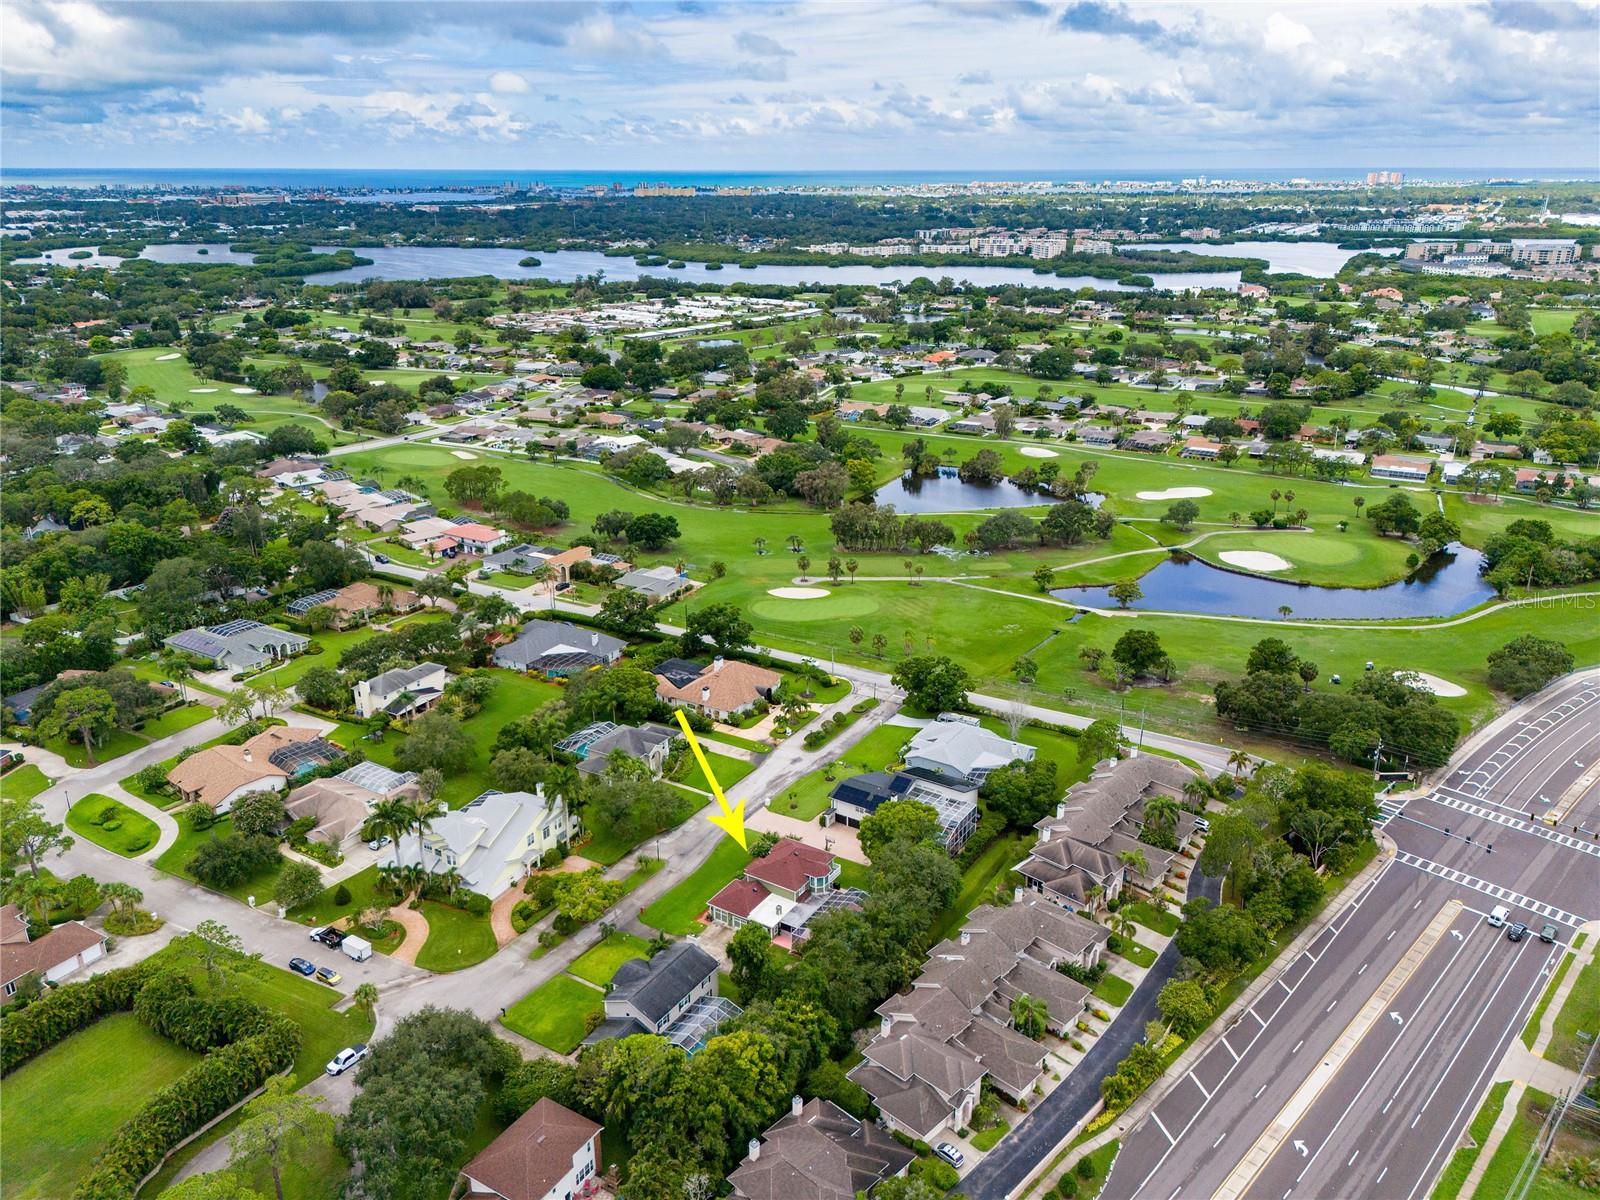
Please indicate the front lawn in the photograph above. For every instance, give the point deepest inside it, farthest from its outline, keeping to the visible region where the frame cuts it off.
(114, 745)
(59, 1109)
(121, 831)
(728, 771)
(602, 960)
(1152, 918)
(174, 860)
(1138, 954)
(456, 939)
(175, 720)
(678, 911)
(23, 783)
(555, 1014)
(989, 1138)
(1113, 989)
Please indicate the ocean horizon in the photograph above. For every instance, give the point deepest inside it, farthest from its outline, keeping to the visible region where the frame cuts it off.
(410, 180)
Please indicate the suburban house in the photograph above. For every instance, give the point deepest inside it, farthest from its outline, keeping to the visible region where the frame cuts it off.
(356, 603)
(783, 892)
(478, 539)
(1398, 466)
(818, 1152)
(1200, 447)
(404, 692)
(526, 558)
(959, 750)
(220, 775)
(241, 645)
(493, 840)
(593, 745)
(673, 995)
(720, 689)
(57, 954)
(855, 799)
(548, 1153)
(555, 648)
(938, 1042)
(1077, 863)
(341, 804)
(655, 583)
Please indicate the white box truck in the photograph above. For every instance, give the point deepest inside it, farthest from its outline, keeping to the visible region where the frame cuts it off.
(357, 948)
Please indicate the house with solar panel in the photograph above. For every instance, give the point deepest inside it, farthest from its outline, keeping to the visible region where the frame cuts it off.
(855, 799)
(241, 645)
(402, 693)
(219, 776)
(355, 603)
(557, 648)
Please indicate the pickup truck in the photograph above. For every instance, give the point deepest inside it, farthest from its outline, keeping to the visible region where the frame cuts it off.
(328, 936)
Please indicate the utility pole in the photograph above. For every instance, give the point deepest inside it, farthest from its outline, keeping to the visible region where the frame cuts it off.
(1141, 731)
(1376, 751)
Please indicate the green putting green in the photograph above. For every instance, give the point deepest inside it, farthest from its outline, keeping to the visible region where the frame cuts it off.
(837, 606)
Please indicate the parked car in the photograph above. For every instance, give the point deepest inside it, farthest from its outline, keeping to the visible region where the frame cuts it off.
(1203, 825)
(1548, 934)
(380, 558)
(328, 936)
(328, 976)
(950, 1154)
(378, 843)
(346, 1058)
(1516, 931)
(301, 967)
(1498, 915)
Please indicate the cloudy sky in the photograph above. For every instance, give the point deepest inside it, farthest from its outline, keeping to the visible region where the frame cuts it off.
(811, 84)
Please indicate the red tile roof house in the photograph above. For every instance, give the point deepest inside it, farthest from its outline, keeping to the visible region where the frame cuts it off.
(56, 955)
(548, 1153)
(782, 892)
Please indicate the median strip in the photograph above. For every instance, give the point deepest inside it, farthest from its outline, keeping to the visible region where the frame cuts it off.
(1306, 1094)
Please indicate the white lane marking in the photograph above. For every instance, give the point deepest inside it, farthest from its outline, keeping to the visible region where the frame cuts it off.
(1218, 1142)
(1259, 1090)
(1517, 899)
(1163, 1129)
(1483, 1011)
(1364, 967)
(1229, 1049)
(1297, 1046)
(1329, 1009)
(1381, 1174)
(1199, 1085)
(1353, 1158)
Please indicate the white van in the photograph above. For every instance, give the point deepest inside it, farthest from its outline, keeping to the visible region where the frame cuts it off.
(1498, 915)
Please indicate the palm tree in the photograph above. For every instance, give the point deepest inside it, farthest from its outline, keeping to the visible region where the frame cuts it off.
(385, 596)
(852, 566)
(390, 819)
(423, 812)
(761, 545)
(1196, 792)
(1284, 611)
(1136, 862)
(1161, 815)
(365, 998)
(1240, 763)
(1030, 1016)
(178, 670)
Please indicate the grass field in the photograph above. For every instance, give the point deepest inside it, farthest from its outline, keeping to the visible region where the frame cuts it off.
(23, 783)
(678, 910)
(127, 833)
(1579, 1015)
(1146, 914)
(728, 771)
(1460, 1164)
(1507, 1160)
(59, 1109)
(554, 1013)
(175, 721)
(456, 939)
(174, 860)
(1113, 989)
(601, 961)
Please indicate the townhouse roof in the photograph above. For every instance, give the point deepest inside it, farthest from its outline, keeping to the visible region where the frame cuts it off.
(819, 1152)
(534, 1153)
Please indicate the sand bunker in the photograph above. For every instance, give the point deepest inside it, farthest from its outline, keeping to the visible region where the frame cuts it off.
(201, 391)
(798, 593)
(1181, 493)
(1254, 560)
(1038, 452)
(243, 391)
(1432, 683)
(463, 454)
(167, 357)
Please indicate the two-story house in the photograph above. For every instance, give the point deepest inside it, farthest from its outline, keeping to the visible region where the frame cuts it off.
(673, 995)
(491, 841)
(404, 692)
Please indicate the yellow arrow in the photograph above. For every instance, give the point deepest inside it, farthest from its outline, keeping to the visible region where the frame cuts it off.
(731, 820)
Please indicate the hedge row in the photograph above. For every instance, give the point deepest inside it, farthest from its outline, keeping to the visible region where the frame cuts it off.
(213, 1085)
(67, 1009)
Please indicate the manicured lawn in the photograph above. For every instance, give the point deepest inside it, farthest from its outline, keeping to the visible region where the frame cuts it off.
(678, 910)
(1152, 918)
(174, 860)
(175, 721)
(126, 832)
(607, 846)
(1580, 1014)
(989, 1138)
(808, 799)
(554, 1013)
(853, 874)
(112, 745)
(728, 771)
(456, 939)
(1138, 954)
(334, 642)
(979, 881)
(601, 961)
(59, 1109)
(1113, 989)
(1460, 1164)
(23, 783)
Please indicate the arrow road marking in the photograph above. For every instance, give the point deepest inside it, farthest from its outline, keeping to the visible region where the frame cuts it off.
(1301, 1148)
(1398, 1019)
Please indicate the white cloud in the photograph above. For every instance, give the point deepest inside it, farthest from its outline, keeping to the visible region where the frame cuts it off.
(508, 83)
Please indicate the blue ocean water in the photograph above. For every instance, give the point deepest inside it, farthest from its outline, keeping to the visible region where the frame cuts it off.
(410, 181)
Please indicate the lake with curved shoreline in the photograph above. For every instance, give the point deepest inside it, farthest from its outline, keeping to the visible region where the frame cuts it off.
(946, 492)
(1322, 260)
(1446, 585)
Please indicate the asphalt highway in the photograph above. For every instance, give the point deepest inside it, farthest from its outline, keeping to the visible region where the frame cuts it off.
(1354, 1073)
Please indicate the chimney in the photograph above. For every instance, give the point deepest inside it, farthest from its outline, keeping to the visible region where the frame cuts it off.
(716, 663)
(705, 693)
(1016, 895)
(795, 1105)
(753, 1152)
(965, 937)
(248, 757)
(594, 639)
(885, 1024)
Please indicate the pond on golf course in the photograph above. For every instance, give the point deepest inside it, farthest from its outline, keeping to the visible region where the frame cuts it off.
(1447, 584)
(946, 492)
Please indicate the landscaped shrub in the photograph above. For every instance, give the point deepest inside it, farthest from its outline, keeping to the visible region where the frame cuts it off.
(66, 1010)
(939, 1174)
(341, 895)
(475, 903)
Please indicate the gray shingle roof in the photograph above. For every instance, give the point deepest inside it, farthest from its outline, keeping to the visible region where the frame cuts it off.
(655, 986)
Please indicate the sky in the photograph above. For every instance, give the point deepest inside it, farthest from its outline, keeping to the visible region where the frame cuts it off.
(805, 85)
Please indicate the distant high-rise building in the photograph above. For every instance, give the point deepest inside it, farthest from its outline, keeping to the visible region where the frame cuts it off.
(1385, 178)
